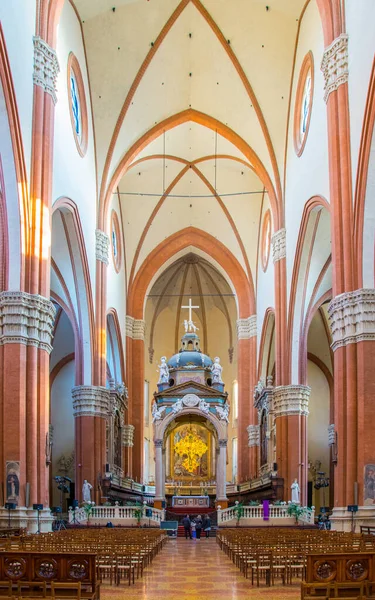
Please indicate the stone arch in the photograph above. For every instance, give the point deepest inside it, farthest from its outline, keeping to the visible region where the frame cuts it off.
(220, 426)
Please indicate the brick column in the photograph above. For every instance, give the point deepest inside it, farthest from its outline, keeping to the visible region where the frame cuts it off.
(26, 323)
(290, 405)
(246, 335)
(135, 335)
(353, 329)
(279, 260)
(90, 408)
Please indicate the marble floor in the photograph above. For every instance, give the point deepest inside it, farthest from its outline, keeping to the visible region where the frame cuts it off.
(195, 570)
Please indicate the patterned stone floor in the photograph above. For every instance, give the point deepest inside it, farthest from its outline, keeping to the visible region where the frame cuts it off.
(195, 570)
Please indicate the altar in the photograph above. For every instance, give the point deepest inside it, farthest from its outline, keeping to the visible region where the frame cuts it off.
(191, 501)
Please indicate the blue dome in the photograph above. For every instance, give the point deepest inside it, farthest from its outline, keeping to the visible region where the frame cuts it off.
(189, 360)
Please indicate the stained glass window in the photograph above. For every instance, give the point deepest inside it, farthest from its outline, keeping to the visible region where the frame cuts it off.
(76, 108)
(306, 105)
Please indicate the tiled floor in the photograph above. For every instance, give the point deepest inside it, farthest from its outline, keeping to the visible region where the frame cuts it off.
(195, 570)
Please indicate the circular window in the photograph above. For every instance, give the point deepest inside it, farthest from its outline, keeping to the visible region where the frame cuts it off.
(266, 240)
(77, 104)
(303, 106)
(115, 241)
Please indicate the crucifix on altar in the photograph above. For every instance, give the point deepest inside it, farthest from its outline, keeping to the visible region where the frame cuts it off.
(189, 324)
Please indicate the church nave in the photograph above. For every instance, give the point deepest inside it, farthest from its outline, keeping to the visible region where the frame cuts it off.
(192, 570)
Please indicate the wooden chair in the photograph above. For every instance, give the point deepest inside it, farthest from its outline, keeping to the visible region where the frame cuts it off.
(262, 567)
(312, 591)
(124, 568)
(35, 589)
(349, 590)
(66, 590)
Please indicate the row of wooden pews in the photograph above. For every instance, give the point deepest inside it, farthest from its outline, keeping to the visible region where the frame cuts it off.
(72, 564)
(323, 561)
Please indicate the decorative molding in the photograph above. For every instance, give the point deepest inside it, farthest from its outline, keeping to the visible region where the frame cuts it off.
(26, 319)
(247, 328)
(128, 436)
(331, 435)
(158, 443)
(102, 246)
(254, 435)
(279, 245)
(335, 65)
(190, 400)
(223, 443)
(135, 328)
(90, 401)
(352, 317)
(46, 67)
(291, 400)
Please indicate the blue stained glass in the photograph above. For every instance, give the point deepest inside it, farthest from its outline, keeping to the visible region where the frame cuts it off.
(114, 243)
(75, 105)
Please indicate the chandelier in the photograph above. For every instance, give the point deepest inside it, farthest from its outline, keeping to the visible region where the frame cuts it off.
(192, 447)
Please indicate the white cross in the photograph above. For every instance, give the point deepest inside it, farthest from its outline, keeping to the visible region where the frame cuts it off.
(190, 307)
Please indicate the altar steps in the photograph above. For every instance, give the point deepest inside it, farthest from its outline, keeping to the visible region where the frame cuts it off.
(181, 532)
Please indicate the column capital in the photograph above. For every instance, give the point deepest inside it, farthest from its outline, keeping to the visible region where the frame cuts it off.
(254, 435)
(135, 328)
(102, 246)
(46, 67)
(352, 317)
(90, 401)
(128, 436)
(279, 245)
(335, 65)
(26, 319)
(291, 400)
(158, 443)
(223, 443)
(247, 328)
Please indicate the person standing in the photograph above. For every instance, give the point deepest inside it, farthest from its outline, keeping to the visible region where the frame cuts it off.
(198, 526)
(187, 524)
(207, 526)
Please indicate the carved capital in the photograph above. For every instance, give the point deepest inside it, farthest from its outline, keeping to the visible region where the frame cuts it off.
(279, 245)
(253, 432)
(223, 443)
(128, 436)
(331, 435)
(135, 328)
(335, 65)
(46, 67)
(158, 443)
(247, 328)
(352, 317)
(26, 319)
(291, 400)
(102, 246)
(90, 401)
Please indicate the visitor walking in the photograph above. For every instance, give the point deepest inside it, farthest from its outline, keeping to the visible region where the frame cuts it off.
(198, 526)
(207, 526)
(187, 525)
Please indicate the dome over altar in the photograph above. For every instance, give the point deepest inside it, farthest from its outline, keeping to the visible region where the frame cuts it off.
(190, 355)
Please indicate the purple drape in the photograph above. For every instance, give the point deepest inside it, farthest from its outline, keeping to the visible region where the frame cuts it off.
(266, 510)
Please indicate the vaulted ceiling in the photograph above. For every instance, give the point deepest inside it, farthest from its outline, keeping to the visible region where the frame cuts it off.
(190, 103)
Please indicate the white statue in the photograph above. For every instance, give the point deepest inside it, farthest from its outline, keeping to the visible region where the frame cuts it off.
(295, 492)
(177, 406)
(192, 326)
(223, 412)
(86, 491)
(186, 325)
(216, 370)
(163, 371)
(204, 406)
(157, 413)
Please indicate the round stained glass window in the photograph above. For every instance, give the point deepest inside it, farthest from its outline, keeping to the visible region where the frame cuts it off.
(303, 105)
(115, 241)
(77, 104)
(266, 240)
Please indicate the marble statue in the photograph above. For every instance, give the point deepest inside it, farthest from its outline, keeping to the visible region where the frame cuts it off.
(163, 370)
(157, 413)
(86, 491)
(216, 370)
(190, 326)
(177, 406)
(204, 406)
(223, 412)
(295, 492)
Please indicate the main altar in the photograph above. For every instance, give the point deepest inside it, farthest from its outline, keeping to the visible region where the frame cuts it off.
(190, 417)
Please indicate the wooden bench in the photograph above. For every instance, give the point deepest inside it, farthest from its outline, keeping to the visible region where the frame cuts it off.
(68, 567)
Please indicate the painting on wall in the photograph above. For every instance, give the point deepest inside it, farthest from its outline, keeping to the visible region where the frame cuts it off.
(369, 485)
(12, 491)
(191, 449)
